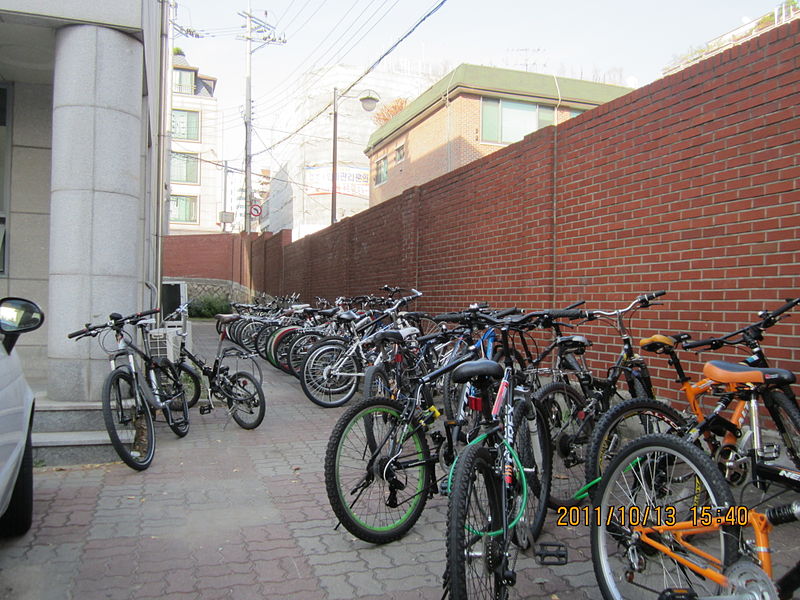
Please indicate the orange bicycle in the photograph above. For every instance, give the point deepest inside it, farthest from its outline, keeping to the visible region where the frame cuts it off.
(727, 438)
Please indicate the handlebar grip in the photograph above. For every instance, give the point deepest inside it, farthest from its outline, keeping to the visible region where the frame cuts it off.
(75, 334)
(789, 304)
(506, 312)
(454, 317)
(575, 304)
(655, 295)
(146, 313)
(567, 314)
(707, 342)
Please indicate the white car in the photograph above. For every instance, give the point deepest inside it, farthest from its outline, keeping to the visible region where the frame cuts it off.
(16, 418)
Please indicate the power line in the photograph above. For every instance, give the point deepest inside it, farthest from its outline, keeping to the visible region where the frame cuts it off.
(364, 74)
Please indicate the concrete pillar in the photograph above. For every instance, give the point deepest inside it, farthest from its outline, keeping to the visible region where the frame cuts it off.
(96, 197)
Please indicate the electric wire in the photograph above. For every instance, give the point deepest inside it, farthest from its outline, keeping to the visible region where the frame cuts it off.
(369, 69)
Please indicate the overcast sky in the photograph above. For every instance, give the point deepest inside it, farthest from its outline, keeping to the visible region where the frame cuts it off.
(626, 41)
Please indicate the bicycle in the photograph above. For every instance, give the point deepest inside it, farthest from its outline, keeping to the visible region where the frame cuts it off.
(240, 390)
(725, 438)
(490, 484)
(666, 526)
(332, 368)
(131, 396)
(574, 399)
(380, 470)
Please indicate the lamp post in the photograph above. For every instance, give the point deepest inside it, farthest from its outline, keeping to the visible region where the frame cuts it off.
(369, 100)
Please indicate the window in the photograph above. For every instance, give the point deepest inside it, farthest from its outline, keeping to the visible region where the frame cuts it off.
(184, 168)
(183, 209)
(183, 81)
(574, 112)
(382, 170)
(400, 154)
(186, 125)
(5, 140)
(506, 121)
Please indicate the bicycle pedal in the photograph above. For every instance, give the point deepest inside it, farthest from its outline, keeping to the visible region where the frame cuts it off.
(443, 489)
(769, 451)
(204, 410)
(551, 554)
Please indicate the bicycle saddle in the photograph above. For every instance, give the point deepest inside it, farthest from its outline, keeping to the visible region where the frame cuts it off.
(225, 319)
(482, 367)
(726, 372)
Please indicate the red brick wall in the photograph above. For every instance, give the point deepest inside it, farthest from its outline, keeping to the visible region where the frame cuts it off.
(688, 185)
(224, 256)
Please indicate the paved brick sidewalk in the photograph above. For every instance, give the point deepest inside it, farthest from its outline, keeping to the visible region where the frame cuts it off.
(235, 514)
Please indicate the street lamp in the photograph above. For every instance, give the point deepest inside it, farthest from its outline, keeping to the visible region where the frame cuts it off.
(369, 100)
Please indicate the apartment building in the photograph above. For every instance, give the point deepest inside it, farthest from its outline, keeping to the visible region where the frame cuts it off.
(196, 174)
(469, 113)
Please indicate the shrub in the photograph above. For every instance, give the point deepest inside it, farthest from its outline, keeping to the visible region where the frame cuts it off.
(208, 306)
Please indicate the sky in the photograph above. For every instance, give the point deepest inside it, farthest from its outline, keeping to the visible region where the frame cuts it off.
(626, 42)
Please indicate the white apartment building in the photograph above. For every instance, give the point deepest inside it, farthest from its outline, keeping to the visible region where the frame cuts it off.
(80, 160)
(197, 178)
(300, 189)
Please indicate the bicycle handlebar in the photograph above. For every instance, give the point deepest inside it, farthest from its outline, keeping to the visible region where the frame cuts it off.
(768, 320)
(115, 321)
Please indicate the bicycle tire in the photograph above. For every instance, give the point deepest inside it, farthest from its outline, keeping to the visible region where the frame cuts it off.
(532, 444)
(171, 392)
(683, 477)
(281, 351)
(623, 423)
(474, 559)
(329, 391)
(786, 416)
(273, 341)
(376, 382)
(124, 415)
(299, 349)
(246, 400)
(191, 382)
(563, 407)
(349, 462)
(262, 338)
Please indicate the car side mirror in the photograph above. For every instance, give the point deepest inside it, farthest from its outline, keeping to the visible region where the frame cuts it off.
(17, 316)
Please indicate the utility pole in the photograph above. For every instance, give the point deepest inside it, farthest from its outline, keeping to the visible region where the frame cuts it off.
(265, 34)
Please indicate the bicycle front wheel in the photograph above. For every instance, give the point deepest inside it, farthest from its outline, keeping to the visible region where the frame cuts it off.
(475, 552)
(657, 480)
(624, 423)
(377, 471)
(129, 422)
(328, 377)
(245, 400)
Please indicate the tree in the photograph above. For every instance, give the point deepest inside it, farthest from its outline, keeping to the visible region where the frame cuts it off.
(387, 111)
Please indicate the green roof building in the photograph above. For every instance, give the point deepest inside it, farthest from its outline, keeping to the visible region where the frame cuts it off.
(471, 112)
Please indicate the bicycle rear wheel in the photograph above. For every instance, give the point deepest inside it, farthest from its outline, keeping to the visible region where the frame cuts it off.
(659, 477)
(786, 417)
(176, 407)
(475, 553)
(377, 474)
(129, 422)
(532, 444)
(570, 431)
(245, 400)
